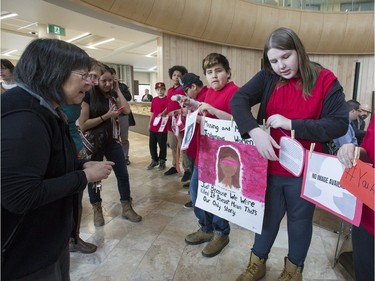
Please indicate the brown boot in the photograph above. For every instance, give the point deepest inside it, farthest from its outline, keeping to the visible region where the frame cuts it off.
(291, 272)
(215, 246)
(98, 214)
(128, 212)
(255, 270)
(78, 245)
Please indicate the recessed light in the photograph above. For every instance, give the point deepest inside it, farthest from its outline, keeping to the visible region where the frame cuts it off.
(100, 43)
(9, 15)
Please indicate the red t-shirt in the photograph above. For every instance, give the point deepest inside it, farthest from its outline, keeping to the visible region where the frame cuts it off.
(367, 219)
(193, 146)
(287, 100)
(157, 106)
(220, 100)
(173, 105)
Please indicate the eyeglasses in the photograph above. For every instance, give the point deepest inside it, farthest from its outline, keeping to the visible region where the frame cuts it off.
(84, 75)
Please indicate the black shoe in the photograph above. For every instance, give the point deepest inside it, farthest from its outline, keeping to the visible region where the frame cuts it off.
(186, 176)
(171, 171)
(152, 165)
(127, 162)
(188, 205)
(186, 184)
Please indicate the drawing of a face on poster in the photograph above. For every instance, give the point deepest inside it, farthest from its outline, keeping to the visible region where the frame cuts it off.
(228, 167)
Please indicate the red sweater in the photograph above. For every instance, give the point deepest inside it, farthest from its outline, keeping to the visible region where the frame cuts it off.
(287, 100)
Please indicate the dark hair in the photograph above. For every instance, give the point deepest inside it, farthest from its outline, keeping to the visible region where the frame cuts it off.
(352, 104)
(227, 151)
(180, 68)
(112, 70)
(213, 59)
(286, 39)
(98, 101)
(46, 64)
(7, 64)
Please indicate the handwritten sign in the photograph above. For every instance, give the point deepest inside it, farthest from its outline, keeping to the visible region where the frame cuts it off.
(359, 180)
(232, 175)
(321, 186)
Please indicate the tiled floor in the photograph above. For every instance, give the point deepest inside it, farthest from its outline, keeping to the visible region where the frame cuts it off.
(155, 250)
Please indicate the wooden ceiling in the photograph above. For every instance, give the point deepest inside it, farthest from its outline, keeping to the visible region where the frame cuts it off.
(243, 24)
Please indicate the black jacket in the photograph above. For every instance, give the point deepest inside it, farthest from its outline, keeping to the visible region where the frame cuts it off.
(39, 175)
(333, 121)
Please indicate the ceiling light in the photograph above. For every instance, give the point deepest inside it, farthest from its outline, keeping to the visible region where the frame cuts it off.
(26, 26)
(100, 43)
(79, 37)
(154, 68)
(10, 15)
(9, 52)
(151, 55)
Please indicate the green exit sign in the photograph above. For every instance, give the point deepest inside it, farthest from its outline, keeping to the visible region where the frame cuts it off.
(55, 29)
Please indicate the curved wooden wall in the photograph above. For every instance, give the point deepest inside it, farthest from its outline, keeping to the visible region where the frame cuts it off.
(246, 25)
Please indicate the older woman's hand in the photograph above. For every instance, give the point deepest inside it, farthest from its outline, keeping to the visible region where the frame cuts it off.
(97, 170)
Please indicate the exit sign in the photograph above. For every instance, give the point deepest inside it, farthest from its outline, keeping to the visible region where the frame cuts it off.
(55, 29)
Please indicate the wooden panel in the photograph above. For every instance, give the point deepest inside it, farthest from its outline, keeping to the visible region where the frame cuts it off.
(135, 10)
(243, 26)
(332, 36)
(359, 39)
(166, 14)
(267, 21)
(231, 22)
(220, 20)
(194, 19)
(101, 4)
(310, 34)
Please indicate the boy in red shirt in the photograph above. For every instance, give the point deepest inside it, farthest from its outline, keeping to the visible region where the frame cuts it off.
(158, 134)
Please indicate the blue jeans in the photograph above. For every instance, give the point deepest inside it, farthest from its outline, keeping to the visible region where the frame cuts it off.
(283, 195)
(207, 221)
(363, 254)
(113, 152)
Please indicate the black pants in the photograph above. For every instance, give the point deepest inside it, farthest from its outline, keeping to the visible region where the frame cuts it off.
(155, 140)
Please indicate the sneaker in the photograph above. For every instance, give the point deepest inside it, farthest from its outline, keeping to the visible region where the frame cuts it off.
(215, 246)
(255, 270)
(188, 205)
(161, 165)
(171, 171)
(198, 237)
(186, 184)
(152, 165)
(186, 176)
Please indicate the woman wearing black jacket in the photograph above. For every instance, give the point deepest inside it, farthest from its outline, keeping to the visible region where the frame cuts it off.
(40, 172)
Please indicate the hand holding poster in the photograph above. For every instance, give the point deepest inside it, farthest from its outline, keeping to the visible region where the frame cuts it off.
(321, 186)
(359, 180)
(191, 121)
(232, 175)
